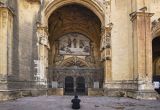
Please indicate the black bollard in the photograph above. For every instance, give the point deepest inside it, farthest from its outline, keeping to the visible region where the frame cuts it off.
(75, 102)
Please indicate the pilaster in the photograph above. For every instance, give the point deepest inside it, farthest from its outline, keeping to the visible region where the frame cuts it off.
(42, 62)
(142, 41)
(106, 53)
(6, 36)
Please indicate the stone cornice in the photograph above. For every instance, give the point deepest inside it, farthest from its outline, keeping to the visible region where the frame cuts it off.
(135, 14)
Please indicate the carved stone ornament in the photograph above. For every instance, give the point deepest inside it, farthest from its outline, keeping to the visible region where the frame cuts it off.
(90, 59)
(106, 54)
(34, 0)
(106, 38)
(43, 41)
(107, 3)
(155, 26)
(59, 58)
(42, 35)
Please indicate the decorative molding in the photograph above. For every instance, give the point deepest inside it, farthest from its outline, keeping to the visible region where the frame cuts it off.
(106, 38)
(106, 43)
(107, 3)
(74, 61)
(59, 58)
(155, 27)
(90, 59)
(135, 14)
(34, 1)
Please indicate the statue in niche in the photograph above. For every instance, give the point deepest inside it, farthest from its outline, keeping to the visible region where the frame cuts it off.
(81, 44)
(75, 43)
(69, 42)
(62, 48)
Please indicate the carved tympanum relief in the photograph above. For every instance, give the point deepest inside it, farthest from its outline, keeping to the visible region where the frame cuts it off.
(74, 44)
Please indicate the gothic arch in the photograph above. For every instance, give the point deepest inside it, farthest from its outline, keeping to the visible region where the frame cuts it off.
(156, 63)
(93, 5)
(71, 60)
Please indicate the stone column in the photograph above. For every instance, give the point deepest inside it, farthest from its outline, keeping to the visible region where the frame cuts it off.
(106, 54)
(42, 62)
(142, 41)
(6, 36)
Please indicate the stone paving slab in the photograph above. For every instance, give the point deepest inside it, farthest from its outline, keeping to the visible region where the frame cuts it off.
(87, 103)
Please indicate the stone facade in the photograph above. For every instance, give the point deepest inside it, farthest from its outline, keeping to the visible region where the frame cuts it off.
(120, 34)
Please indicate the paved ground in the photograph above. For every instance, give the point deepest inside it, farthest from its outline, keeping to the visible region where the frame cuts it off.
(88, 103)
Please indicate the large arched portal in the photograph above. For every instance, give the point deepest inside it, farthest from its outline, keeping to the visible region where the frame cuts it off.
(74, 37)
(156, 60)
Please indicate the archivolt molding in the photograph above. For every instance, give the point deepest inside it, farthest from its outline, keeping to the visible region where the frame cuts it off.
(74, 61)
(156, 28)
(93, 5)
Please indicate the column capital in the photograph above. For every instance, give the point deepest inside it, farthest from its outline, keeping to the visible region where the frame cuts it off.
(134, 15)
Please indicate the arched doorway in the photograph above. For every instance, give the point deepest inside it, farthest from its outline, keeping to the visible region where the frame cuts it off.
(69, 85)
(74, 38)
(156, 60)
(80, 85)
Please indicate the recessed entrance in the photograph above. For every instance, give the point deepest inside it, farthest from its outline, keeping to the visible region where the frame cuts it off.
(80, 85)
(74, 38)
(156, 61)
(76, 86)
(69, 85)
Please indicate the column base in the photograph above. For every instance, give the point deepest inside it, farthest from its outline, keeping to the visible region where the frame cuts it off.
(130, 89)
(14, 94)
(95, 92)
(143, 94)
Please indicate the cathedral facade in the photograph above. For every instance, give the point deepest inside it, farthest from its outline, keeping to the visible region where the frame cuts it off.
(86, 47)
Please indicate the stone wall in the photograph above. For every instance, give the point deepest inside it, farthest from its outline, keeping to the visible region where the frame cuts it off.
(19, 49)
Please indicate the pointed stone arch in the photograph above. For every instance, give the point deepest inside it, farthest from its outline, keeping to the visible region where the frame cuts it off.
(74, 61)
(93, 5)
(155, 28)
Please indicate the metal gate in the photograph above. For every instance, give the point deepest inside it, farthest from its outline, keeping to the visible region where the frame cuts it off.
(90, 75)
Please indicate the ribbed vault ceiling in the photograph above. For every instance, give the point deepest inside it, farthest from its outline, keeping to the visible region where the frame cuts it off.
(74, 18)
